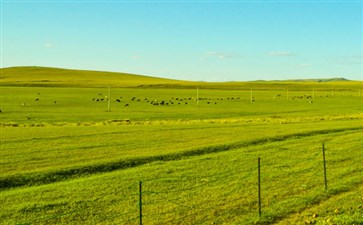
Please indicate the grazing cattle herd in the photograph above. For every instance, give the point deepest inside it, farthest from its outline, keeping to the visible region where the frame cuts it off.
(174, 101)
(166, 102)
(208, 101)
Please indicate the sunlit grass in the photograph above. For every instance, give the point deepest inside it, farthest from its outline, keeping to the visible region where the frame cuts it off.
(66, 159)
(219, 188)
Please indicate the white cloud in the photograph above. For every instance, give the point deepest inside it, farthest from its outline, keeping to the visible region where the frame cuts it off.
(136, 57)
(347, 60)
(48, 45)
(281, 54)
(219, 55)
(306, 64)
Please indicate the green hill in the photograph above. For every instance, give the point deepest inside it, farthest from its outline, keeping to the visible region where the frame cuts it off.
(44, 76)
(56, 77)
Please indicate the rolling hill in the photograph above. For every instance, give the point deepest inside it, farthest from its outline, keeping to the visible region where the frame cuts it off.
(58, 77)
(45, 76)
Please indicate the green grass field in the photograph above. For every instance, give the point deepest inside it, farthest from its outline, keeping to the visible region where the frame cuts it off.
(66, 159)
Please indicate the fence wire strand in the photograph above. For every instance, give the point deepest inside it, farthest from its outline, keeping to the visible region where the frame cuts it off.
(187, 199)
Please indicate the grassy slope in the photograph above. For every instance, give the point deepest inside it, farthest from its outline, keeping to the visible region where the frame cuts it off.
(58, 157)
(32, 134)
(43, 76)
(54, 77)
(218, 188)
(206, 155)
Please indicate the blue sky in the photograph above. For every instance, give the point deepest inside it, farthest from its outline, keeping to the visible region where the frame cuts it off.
(188, 40)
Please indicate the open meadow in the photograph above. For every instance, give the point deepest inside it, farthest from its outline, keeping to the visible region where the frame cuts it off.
(77, 151)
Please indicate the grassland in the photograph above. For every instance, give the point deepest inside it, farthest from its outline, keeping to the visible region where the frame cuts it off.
(57, 77)
(66, 159)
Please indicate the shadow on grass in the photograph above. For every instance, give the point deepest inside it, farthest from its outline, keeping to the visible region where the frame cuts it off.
(65, 174)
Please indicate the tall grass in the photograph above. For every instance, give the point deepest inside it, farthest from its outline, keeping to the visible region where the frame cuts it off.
(213, 188)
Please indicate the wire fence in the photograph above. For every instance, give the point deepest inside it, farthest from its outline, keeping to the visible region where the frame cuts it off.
(253, 191)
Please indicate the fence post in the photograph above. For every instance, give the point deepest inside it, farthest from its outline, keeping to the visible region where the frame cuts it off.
(325, 180)
(259, 187)
(140, 202)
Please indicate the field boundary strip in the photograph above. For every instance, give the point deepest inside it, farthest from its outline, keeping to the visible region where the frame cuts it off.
(127, 122)
(72, 173)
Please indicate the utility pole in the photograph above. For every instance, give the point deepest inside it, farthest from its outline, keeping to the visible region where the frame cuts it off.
(109, 99)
